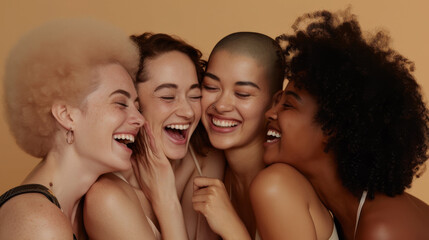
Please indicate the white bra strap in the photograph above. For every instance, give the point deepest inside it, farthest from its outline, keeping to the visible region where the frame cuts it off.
(197, 165)
(119, 175)
(362, 201)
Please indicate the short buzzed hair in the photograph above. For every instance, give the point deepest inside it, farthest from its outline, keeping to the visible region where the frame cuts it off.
(263, 49)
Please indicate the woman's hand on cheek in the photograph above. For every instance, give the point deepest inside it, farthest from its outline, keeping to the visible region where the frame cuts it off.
(153, 170)
(211, 199)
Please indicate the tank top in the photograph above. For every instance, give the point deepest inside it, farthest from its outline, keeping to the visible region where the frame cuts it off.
(359, 210)
(30, 188)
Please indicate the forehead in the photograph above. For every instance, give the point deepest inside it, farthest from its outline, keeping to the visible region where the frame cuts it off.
(171, 67)
(232, 67)
(112, 77)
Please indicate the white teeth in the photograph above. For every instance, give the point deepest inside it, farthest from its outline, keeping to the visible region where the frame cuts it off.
(224, 123)
(274, 133)
(178, 127)
(128, 137)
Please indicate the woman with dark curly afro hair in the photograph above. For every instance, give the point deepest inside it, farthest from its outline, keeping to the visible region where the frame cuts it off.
(353, 122)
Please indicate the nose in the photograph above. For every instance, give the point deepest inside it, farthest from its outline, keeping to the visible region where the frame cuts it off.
(185, 110)
(271, 114)
(137, 118)
(224, 103)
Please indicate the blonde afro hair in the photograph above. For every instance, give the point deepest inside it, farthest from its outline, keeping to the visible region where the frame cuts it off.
(56, 62)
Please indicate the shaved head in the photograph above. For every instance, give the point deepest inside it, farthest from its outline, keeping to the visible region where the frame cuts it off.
(261, 48)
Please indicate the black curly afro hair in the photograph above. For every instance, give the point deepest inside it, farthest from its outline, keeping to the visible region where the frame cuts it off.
(369, 103)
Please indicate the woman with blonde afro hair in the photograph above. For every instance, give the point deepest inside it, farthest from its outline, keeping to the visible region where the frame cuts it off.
(70, 100)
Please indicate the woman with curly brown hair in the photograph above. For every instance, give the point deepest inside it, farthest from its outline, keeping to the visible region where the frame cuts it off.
(70, 100)
(353, 122)
(154, 200)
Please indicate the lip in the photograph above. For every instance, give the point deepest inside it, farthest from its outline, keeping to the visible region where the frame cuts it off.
(222, 129)
(271, 141)
(185, 133)
(123, 146)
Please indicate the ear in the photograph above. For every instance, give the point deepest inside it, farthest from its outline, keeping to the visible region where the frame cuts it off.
(64, 114)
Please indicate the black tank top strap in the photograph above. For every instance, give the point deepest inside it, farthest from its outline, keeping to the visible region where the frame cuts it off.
(29, 188)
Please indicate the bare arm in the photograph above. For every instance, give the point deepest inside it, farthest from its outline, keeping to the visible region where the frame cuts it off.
(32, 216)
(280, 205)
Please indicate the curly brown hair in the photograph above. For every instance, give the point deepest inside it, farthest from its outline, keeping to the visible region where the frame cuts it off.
(153, 45)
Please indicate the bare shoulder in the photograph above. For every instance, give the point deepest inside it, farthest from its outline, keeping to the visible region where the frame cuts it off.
(280, 181)
(109, 191)
(112, 210)
(399, 217)
(213, 165)
(33, 216)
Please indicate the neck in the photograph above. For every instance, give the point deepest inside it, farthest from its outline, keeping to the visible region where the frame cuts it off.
(68, 177)
(338, 199)
(245, 162)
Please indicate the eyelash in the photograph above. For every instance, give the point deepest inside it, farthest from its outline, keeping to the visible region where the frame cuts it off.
(285, 105)
(242, 95)
(167, 98)
(209, 88)
(122, 104)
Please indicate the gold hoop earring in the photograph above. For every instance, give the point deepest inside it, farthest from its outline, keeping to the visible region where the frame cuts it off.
(69, 136)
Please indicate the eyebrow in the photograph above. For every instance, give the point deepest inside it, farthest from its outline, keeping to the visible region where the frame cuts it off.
(293, 94)
(120, 91)
(240, 83)
(165, 85)
(212, 76)
(196, 85)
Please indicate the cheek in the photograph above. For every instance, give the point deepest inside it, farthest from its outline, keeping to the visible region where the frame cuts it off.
(196, 107)
(252, 112)
(207, 100)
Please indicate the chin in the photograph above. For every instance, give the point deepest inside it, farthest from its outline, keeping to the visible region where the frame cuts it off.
(176, 154)
(268, 158)
(122, 165)
(221, 143)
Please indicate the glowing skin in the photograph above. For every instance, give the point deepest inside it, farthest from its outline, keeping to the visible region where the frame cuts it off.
(235, 96)
(293, 136)
(170, 101)
(110, 113)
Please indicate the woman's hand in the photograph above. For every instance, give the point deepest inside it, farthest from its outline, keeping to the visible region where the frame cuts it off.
(152, 169)
(156, 179)
(211, 199)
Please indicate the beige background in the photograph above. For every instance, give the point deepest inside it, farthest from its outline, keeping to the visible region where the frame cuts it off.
(202, 23)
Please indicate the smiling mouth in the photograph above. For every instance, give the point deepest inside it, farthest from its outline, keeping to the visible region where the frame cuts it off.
(177, 131)
(224, 123)
(273, 136)
(126, 139)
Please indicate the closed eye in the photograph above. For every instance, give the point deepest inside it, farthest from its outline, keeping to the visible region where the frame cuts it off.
(167, 98)
(209, 88)
(122, 104)
(285, 105)
(242, 95)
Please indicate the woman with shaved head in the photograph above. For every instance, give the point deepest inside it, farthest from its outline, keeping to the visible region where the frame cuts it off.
(245, 70)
